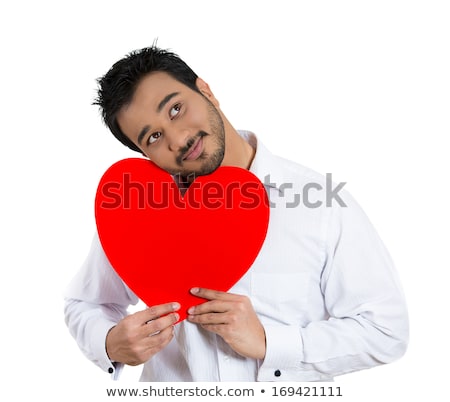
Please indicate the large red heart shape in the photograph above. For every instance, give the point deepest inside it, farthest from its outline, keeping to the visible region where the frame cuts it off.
(162, 243)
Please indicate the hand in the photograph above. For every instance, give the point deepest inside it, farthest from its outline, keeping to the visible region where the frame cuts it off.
(139, 336)
(233, 318)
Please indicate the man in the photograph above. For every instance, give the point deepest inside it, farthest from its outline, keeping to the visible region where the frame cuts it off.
(321, 299)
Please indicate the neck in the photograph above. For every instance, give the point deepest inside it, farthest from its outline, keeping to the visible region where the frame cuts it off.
(238, 152)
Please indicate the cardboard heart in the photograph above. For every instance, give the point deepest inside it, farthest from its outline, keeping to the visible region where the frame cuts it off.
(162, 243)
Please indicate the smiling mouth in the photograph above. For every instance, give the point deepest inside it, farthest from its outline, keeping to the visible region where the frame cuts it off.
(195, 151)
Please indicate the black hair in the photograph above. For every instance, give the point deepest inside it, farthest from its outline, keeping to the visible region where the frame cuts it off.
(117, 87)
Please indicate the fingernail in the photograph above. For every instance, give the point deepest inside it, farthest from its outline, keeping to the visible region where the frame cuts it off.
(176, 316)
(191, 310)
(175, 306)
(195, 290)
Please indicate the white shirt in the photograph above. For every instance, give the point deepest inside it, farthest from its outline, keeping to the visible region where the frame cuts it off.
(323, 287)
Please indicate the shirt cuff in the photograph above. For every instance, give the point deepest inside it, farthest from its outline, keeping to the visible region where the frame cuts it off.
(284, 353)
(101, 329)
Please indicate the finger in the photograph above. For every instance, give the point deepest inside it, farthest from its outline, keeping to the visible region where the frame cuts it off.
(154, 327)
(208, 319)
(211, 294)
(213, 306)
(154, 312)
(158, 341)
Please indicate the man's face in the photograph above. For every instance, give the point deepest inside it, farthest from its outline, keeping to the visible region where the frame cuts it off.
(179, 129)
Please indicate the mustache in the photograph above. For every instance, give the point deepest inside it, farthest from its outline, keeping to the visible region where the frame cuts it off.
(190, 142)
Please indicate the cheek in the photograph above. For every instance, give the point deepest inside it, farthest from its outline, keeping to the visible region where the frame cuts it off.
(158, 156)
(165, 160)
(197, 117)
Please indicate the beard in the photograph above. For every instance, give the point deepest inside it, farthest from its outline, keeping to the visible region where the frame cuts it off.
(209, 161)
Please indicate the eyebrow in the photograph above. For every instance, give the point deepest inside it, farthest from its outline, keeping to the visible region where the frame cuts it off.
(160, 107)
(141, 135)
(166, 100)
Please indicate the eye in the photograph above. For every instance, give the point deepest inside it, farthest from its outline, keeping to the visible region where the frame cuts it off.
(153, 138)
(174, 110)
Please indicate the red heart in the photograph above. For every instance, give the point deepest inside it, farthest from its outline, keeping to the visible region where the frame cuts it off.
(162, 243)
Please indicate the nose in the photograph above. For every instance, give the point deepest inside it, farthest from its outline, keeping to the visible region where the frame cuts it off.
(177, 139)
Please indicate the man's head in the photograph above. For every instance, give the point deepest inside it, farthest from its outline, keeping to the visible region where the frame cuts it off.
(155, 104)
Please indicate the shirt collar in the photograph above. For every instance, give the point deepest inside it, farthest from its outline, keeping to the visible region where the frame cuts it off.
(265, 166)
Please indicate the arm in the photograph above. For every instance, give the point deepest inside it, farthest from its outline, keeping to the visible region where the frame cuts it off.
(367, 320)
(96, 303)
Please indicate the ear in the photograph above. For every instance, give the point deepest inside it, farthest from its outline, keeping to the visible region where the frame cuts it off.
(206, 91)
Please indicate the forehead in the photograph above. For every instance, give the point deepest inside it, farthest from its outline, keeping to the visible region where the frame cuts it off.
(156, 85)
(148, 94)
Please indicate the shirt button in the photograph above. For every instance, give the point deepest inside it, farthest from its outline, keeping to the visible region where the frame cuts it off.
(110, 370)
(277, 373)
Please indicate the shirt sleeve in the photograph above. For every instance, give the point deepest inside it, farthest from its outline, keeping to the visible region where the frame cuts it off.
(95, 301)
(367, 318)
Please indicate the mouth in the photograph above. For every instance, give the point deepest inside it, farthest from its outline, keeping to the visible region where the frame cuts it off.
(195, 151)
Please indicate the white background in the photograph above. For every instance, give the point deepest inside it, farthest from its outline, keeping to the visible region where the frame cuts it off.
(356, 88)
